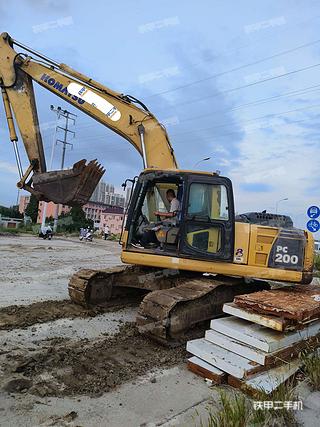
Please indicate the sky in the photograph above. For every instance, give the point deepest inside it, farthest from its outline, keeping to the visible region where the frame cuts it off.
(234, 81)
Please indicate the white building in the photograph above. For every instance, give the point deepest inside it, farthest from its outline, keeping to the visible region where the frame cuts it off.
(104, 193)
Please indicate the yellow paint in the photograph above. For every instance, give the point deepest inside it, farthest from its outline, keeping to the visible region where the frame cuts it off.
(228, 269)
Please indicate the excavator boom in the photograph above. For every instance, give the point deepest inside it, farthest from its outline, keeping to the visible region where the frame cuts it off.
(118, 112)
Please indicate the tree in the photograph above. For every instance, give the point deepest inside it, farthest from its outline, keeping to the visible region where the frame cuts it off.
(32, 208)
(78, 220)
(11, 212)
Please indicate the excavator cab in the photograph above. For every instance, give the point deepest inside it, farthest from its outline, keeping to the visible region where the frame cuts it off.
(202, 227)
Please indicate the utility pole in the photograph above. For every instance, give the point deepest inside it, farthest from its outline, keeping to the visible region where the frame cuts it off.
(69, 117)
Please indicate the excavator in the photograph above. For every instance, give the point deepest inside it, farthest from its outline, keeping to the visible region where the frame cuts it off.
(205, 254)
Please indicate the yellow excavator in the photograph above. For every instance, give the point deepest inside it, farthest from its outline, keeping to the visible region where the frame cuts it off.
(201, 255)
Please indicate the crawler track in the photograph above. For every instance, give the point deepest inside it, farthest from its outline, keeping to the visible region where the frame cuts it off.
(178, 300)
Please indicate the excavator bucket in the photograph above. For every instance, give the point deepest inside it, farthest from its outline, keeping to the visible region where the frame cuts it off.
(69, 187)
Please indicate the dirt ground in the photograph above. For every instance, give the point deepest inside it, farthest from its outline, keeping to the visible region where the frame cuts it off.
(53, 349)
(65, 365)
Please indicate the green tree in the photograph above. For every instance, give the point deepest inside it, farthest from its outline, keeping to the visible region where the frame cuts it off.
(11, 212)
(78, 220)
(32, 208)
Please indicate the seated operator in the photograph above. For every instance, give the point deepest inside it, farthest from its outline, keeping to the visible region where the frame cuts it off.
(149, 236)
(174, 206)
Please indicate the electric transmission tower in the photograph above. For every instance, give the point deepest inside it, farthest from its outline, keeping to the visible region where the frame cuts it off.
(69, 118)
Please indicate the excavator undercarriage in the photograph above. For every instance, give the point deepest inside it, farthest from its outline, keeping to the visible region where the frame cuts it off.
(173, 301)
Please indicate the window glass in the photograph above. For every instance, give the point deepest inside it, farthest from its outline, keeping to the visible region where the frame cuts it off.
(209, 201)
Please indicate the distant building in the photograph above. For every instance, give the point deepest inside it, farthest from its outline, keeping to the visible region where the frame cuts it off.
(104, 193)
(51, 210)
(113, 217)
(23, 203)
(317, 246)
(7, 222)
(93, 211)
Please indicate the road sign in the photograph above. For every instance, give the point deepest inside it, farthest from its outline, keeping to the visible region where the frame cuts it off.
(313, 225)
(313, 212)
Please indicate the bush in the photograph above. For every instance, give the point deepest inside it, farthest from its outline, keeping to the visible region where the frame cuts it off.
(311, 368)
(317, 262)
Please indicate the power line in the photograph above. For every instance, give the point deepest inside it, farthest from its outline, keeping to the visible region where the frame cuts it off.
(247, 85)
(257, 102)
(240, 67)
(237, 131)
(250, 120)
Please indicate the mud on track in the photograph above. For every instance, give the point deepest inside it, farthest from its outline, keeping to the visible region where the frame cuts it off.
(87, 367)
(15, 316)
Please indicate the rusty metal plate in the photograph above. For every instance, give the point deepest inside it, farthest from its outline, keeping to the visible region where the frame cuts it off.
(299, 303)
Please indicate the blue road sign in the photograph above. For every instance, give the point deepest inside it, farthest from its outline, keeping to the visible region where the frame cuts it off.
(313, 212)
(313, 225)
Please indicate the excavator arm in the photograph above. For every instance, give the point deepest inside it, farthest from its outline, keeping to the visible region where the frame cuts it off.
(123, 114)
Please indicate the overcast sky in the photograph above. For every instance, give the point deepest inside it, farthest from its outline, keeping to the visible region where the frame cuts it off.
(227, 78)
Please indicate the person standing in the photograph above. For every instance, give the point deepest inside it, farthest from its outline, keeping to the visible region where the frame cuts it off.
(106, 231)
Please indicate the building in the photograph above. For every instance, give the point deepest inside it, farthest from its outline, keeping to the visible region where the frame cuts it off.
(317, 246)
(113, 217)
(114, 199)
(50, 210)
(99, 194)
(7, 222)
(23, 203)
(104, 193)
(93, 211)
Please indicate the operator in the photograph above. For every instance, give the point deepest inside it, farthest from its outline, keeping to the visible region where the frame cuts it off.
(149, 236)
(174, 206)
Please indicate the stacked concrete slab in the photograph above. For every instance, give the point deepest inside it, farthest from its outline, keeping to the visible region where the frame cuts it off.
(257, 351)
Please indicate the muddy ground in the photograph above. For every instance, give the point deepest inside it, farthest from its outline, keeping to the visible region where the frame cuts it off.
(53, 349)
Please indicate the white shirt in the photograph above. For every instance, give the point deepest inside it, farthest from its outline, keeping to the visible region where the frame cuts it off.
(174, 205)
(106, 229)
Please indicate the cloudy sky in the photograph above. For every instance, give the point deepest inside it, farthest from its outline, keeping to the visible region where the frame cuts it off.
(232, 81)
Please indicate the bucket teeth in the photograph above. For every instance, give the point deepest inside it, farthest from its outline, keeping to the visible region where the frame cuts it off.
(69, 187)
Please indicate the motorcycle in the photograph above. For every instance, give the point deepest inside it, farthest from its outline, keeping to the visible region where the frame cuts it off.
(86, 235)
(46, 233)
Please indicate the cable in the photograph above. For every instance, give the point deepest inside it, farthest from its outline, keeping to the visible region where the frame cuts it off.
(285, 52)
(247, 85)
(249, 133)
(257, 102)
(250, 120)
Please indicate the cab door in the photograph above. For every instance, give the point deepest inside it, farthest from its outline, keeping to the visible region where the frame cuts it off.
(207, 225)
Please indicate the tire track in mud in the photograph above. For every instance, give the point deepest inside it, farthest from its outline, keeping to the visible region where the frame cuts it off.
(23, 316)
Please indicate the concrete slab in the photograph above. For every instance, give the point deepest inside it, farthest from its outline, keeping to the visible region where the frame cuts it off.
(221, 358)
(205, 370)
(264, 320)
(260, 337)
(267, 381)
(235, 346)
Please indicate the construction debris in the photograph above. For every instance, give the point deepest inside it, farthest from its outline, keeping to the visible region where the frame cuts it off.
(257, 347)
